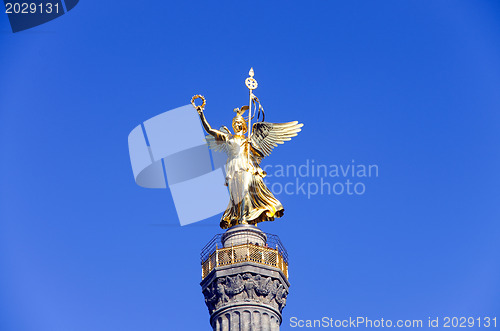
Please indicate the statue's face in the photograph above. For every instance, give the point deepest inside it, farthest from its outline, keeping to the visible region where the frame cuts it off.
(238, 126)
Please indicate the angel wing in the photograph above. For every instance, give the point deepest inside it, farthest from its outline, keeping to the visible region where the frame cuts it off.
(266, 136)
(218, 145)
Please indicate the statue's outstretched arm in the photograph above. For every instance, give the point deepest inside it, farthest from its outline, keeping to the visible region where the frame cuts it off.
(213, 132)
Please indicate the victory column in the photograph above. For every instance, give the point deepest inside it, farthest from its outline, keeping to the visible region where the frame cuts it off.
(244, 270)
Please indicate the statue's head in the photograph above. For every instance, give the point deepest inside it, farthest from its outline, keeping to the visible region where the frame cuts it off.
(239, 123)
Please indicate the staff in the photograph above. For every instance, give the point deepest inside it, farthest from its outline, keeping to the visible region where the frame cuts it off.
(251, 84)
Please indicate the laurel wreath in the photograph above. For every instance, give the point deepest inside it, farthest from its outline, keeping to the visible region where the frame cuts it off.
(198, 97)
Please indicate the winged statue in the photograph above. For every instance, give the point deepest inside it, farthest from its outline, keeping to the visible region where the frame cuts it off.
(251, 202)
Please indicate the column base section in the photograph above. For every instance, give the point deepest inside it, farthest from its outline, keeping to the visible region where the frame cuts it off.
(245, 317)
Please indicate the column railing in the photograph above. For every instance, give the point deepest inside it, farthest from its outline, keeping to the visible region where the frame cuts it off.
(244, 253)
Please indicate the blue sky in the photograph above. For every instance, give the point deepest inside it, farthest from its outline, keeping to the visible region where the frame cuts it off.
(411, 86)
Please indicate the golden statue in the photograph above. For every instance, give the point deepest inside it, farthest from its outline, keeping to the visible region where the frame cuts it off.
(251, 201)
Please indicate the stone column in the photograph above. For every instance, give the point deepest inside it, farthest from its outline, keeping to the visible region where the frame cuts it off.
(245, 296)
